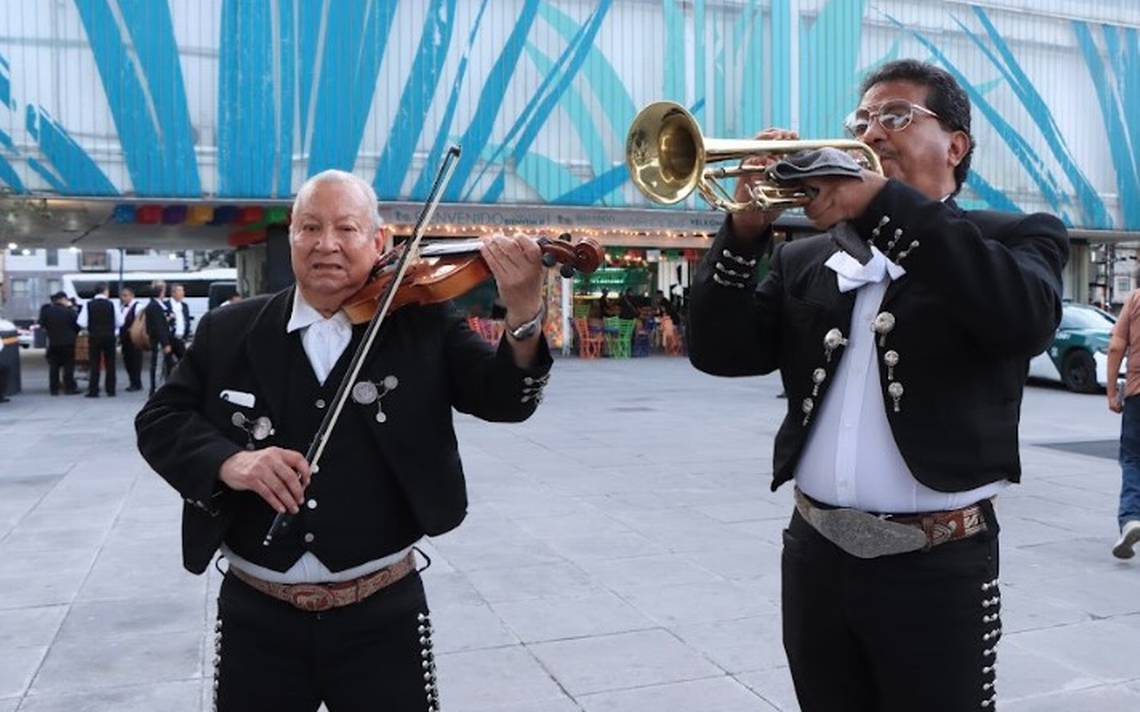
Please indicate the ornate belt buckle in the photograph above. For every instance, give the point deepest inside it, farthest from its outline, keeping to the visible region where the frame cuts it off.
(311, 597)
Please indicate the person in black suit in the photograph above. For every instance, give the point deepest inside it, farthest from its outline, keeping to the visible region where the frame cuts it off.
(228, 429)
(158, 331)
(132, 355)
(178, 314)
(102, 320)
(902, 337)
(60, 321)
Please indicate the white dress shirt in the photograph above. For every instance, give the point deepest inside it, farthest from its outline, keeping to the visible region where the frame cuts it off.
(324, 341)
(850, 458)
(179, 318)
(82, 319)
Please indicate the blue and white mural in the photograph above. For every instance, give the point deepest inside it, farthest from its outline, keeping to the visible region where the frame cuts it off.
(205, 99)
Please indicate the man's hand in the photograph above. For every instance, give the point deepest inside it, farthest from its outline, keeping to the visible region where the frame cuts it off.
(280, 476)
(749, 225)
(841, 198)
(1114, 402)
(516, 263)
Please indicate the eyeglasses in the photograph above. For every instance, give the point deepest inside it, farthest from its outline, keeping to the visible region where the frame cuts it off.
(892, 114)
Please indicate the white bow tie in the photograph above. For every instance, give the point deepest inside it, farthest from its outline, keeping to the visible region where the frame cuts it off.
(852, 275)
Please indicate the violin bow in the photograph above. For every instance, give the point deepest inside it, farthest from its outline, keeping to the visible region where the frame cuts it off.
(317, 447)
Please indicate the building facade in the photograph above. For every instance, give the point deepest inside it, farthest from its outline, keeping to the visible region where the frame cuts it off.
(115, 105)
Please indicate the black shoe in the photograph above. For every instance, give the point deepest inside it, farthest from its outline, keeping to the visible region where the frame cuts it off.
(72, 393)
(4, 399)
(110, 394)
(134, 388)
(91, 395)
(56, 393)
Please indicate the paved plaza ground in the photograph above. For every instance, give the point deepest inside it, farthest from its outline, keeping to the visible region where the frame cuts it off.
(621, 555)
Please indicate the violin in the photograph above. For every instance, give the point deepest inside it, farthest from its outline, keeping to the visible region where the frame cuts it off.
(449, 269)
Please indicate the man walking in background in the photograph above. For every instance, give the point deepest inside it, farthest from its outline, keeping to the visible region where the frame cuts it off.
(58, 319)
(158, 330)
(102, 321)
(1126, 340)
(132, 355)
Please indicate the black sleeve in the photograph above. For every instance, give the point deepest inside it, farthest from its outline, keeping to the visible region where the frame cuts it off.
(733, 323)
(175, 439)
(484, 380)
(1003, 288)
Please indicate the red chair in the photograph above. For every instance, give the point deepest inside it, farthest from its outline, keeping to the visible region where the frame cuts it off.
(589, 343)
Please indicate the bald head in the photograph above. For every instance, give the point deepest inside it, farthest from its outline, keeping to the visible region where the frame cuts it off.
(364, 194)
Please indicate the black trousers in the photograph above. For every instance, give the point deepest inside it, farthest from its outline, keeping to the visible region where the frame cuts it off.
(61, 359)
(132, 362)
(915, 631)
(101, 357)
(373, 655)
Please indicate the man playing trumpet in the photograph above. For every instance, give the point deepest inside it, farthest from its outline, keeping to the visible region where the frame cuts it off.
(904, 366)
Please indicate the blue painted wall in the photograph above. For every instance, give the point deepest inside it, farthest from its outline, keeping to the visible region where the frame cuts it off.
(245, 98)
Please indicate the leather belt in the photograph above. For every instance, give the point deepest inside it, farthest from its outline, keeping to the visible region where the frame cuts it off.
(868, 536)
(318, 597)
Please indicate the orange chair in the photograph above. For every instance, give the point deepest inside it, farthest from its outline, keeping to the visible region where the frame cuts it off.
(670, 339)
(489, 329)
(589, 344)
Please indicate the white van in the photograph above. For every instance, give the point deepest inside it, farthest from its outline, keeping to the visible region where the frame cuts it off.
(80, 286)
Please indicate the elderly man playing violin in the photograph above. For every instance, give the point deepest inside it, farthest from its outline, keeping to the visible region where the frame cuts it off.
(333, 610)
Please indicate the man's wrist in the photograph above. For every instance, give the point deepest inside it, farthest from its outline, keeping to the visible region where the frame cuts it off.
(521, 328)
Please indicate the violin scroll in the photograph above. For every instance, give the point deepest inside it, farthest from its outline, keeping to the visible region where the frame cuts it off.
(585, 256)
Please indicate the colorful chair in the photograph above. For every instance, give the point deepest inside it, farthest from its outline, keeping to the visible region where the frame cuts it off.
(589, 343)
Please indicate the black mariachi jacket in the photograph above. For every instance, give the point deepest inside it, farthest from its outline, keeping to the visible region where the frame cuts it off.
(981, 296)
(186, 431)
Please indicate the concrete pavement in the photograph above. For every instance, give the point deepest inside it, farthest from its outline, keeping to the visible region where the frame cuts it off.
(621, 555)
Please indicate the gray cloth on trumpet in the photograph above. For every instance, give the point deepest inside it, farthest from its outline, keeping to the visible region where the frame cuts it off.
(816, 163)
(819, 163)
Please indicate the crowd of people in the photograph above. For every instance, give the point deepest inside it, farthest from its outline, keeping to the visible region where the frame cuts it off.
(163, 328)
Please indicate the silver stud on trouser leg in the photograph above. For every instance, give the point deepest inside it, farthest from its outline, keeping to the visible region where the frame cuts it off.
(431, 691)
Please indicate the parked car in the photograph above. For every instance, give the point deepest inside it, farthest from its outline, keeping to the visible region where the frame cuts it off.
(1078, 356)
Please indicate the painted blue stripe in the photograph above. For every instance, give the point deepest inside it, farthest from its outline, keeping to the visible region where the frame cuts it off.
(551, 100)
(490, 101)
(419, 89)
(356, 36)
(78, 171)
(5, 87)
(6, 140)
(1017, 144)
(1092, 206)
(699, 55)
(751, 116)
(673, 68)
(990, 194)
(491, 159)
(285, 110)
(548, 178)
(152, 32)
(443, 134)
(309, 23)
(603, 80)
(9, 177)
(44, 173)
(781, 102)
(245, 99)
(159, 156)
(587, 193)
(1125, 56)
(831, 51)
(1112, 114)
(720, 88)
(588, 137)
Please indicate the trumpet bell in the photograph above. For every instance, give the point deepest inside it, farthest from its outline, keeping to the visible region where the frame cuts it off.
(664, 153)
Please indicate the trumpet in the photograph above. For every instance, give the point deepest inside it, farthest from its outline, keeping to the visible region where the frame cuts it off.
(669, 158)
